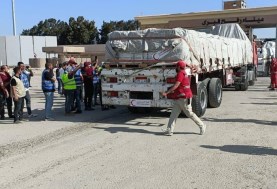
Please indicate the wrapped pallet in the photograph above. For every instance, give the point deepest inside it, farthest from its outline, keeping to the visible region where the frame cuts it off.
(227, 46)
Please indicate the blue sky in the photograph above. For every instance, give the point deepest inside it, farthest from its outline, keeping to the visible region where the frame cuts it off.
(30, 12)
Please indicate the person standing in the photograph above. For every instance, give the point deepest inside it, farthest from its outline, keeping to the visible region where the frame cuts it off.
(24, 78)
(6, 78)
(87, 72)
(48, 88)
(30, 74)
(273, 73)
(182, 95)
(59, 72)
(96, 83)
(79, 88)
(69, 86)
(3, 95)
(18, 93)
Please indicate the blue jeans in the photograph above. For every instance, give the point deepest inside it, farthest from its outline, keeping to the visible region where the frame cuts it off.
(49, 98)
(77, 97)
(28, 102)
(59, 86)
(69, 98)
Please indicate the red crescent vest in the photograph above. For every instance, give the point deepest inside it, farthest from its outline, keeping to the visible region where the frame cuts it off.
(183, 91)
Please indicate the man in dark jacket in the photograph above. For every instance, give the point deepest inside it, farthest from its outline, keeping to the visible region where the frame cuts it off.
(48, 87)
(6, 78)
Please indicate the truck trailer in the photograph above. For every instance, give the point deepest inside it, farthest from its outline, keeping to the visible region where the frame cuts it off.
(141, 64)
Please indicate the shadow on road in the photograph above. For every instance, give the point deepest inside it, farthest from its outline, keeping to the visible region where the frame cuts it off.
(114, 130)
(266, 98)
(239, 120)
(244, 149)
(256, 103)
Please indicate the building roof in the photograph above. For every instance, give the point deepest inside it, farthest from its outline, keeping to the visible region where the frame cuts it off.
(252, 17)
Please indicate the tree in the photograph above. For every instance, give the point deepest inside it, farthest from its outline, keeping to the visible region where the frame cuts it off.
(50, 27)
(81, 31)
(75, 32)
(111, 26)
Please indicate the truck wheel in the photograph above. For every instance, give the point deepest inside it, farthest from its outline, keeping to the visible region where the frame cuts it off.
(215, 93)
(199, 101)
(237, 87)
(244, 86)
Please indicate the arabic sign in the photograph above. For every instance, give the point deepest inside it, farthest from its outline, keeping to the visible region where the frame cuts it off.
(237, 20)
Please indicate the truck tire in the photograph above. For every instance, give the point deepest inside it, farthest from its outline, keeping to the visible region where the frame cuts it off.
(237, 87)
(215, 92)
(244, 86)
(199, 101)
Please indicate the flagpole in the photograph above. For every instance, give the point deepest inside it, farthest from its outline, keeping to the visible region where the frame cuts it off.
(13, 14)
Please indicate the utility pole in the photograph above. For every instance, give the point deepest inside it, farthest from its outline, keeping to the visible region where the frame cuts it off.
(13, 14)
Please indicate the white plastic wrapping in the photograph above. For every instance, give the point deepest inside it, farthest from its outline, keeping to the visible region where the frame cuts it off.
(268, 49)
(169, 45)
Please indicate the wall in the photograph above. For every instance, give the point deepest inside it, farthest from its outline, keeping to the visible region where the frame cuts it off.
(21, 48)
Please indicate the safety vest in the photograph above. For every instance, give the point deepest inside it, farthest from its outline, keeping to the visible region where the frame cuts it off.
(68, 84)
(78, 78)
(20, 90)
(95, 79)
(183, 90)
(47, 85)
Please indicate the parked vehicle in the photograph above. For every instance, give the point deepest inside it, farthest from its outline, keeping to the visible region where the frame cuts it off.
(141, 64)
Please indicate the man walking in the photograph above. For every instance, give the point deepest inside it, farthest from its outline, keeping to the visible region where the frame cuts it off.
(18, 93)
(24, 78)
(182, 95)
(48, 87)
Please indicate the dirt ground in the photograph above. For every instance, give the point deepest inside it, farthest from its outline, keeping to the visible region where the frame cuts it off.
(117, 149)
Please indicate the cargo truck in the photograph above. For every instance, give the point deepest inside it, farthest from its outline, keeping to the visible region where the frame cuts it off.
(141, 64)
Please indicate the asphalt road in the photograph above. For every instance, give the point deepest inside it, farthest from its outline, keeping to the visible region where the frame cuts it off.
(116, 149)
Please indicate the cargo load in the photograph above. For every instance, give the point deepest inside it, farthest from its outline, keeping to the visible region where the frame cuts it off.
(211, 52)
(141, 64)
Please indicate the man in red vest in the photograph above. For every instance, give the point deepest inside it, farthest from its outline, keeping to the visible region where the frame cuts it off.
(182, 95)
(273, 73)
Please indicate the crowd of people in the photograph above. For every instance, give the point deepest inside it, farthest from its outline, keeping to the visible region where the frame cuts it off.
(78, 83)
(15, 91)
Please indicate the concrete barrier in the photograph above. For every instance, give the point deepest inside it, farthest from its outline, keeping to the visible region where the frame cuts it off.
(37, 62)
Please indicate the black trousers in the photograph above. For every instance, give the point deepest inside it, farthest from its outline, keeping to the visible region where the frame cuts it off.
(9, 106)
(18, 107)
(2, 105)
(88, 94)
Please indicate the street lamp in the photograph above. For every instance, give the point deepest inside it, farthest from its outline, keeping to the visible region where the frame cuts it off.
(13, 13)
